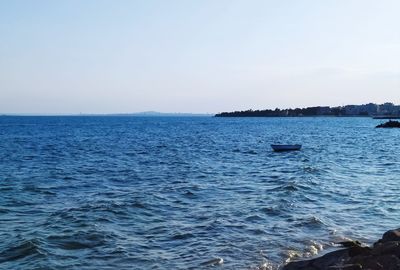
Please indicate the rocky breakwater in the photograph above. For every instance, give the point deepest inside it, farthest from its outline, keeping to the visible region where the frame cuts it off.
(382, 255)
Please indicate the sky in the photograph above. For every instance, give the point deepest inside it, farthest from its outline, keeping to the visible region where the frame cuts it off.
(208, 56)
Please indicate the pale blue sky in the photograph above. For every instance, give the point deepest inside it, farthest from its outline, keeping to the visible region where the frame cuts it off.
(196, 56)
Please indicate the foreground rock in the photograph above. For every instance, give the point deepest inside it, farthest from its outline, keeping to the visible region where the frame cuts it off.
(389, 124)
(383, 255)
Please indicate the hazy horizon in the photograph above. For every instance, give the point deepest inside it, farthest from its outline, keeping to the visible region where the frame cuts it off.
(151, 113)
(103, 57)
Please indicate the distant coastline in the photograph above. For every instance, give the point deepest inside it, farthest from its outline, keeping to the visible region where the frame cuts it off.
(139, 114)
(385, 110)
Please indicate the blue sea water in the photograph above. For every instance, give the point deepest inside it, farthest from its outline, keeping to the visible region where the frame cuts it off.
(175, 193)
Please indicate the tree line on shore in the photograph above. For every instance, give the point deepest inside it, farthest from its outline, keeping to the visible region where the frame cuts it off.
(370, 109)
(309, 111)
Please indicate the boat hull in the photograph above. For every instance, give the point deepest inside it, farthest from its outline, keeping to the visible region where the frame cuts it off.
(285, 147)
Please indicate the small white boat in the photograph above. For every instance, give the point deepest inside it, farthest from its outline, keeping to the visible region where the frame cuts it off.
(285, 147)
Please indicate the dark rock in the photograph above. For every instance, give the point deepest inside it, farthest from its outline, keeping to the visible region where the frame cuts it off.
(391, 247)
(347, 267)
(354, 243)
(385, 262)
(389, 124)
(384, 255)
(300, 265)
(331, 259)
(392, 235)
(359, 251)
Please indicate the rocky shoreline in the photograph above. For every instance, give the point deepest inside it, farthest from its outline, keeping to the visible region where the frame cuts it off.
(382, 255)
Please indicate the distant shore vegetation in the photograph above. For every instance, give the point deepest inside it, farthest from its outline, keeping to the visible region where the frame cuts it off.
(370, 109)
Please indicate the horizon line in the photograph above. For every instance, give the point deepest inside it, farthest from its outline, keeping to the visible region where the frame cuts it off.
(157, 113)
(165, 114)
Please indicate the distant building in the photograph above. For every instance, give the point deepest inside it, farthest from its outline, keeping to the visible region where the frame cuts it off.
(396, 110)
(371, 108)
(365, 109)
(352, 109)
(323, 110)
(387, 108)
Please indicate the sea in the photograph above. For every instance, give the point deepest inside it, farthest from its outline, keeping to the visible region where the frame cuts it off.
(121, 192)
